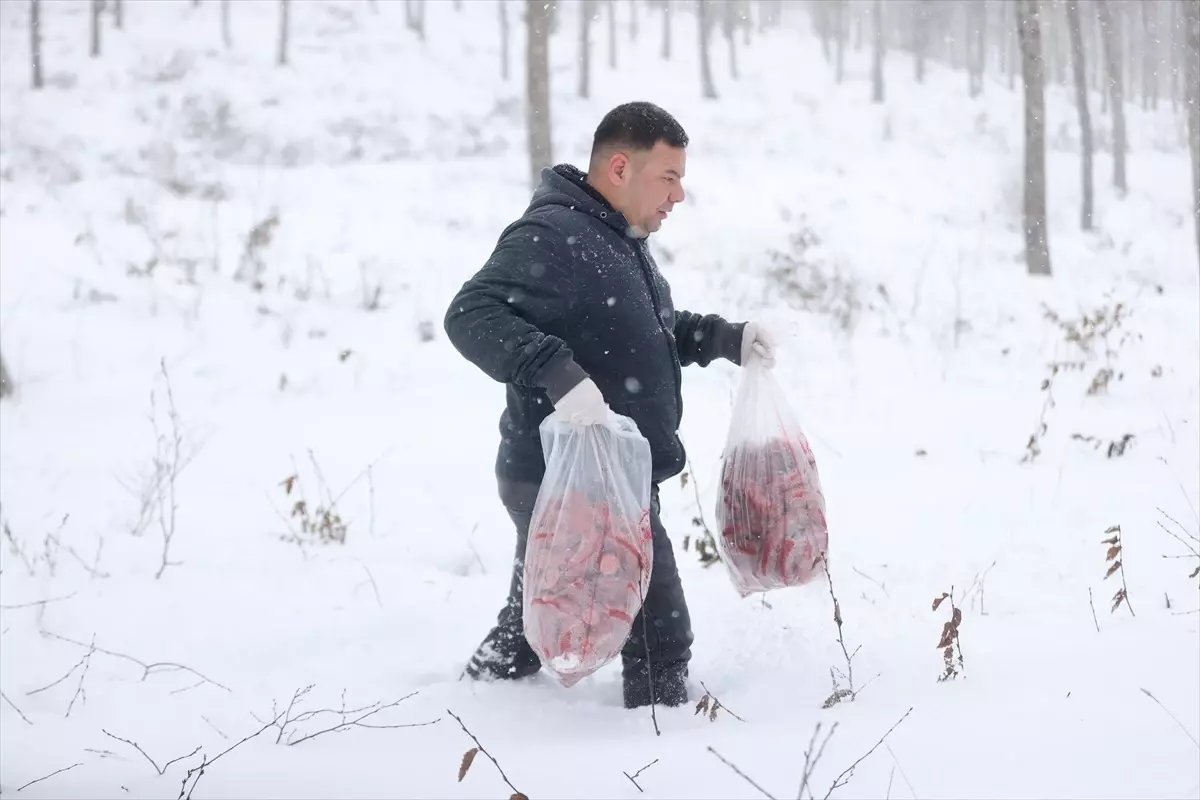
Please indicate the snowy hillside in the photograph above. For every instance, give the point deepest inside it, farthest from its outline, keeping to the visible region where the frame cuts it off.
(238, 272)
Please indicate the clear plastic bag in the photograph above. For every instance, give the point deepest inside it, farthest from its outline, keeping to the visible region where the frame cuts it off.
(770, 510)
(589, 555)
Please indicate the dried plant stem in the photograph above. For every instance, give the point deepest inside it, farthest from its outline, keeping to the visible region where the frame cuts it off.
(837, 618)
(51, 775)
(158, 666)
(846, 775)
(168, 465)
(4, 697)
(1172, 716)
(811, 756)
(719, 704)
(87, 662)
(198, 771)
(160, 770)
(483, 750)
(1093, 605)
(741, 774)
(639, 772)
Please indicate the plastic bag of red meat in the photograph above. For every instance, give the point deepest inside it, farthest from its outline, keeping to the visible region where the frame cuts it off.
(589, 555)
(771, 510)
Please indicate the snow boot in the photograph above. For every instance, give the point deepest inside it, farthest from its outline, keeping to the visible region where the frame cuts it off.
(667, 680)
(504, 654)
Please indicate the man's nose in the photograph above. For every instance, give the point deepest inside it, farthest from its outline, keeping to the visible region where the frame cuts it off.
(677, 194)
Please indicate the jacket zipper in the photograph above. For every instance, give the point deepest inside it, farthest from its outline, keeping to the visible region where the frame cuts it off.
(656, 301)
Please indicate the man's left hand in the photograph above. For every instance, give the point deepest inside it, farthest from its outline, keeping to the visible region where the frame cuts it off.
(758, 342)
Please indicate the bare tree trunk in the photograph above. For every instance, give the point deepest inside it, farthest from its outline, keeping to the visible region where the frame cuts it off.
(1150, 55)
(747, 23)
(284, 14)
(976, 21)
(877, 57)
(703, 24)
(1191, 21)
(504, 38)
(226, 25)
(840, 19)
(666, 29)
(1177, 63)
(97, 12)
(820, 21)
(729, 28)
(858, 29)
(1079, 67)
(633, 20)
(585, 47)
(920, 21)
(119, 14)
(6, 384)
(537, 88)
(1037, 245)
(35, 42)
(612, 34)
(1112, 54)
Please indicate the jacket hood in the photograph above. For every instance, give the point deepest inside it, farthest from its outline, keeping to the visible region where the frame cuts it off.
(566, 185)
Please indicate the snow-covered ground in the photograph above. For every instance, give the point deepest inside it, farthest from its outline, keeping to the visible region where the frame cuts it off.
(130, 189)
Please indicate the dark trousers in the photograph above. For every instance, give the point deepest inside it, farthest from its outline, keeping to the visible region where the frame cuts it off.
(664, 617)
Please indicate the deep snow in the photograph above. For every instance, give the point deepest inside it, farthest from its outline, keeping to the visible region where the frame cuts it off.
(395, 164)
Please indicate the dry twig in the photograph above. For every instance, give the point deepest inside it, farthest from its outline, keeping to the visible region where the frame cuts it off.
(51, 775)
(158, 666)
(1172, 716)
(198, 771)
(157, 768)
(811, 757)
(480, 748)
(4, 697)
(639, 772)
(741, 774)
(848, 773)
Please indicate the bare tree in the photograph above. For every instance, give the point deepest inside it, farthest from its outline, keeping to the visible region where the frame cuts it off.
(35, 42)
(537, 87)
(414, 17)
(226, 25)
(1029, 35)
(1079, 67)
(820, 14)
(1191, 21)
(284, 13)
(877, 58)
(118, 8)
(633, 20)
(504, 38)
(1150, 55)
(97, 13)
(666, 30)
(729, 28)
(703, 24)
(840, 19)
(612, 34)
(6, 385)
(976, 44)
(921, 18)
(585, 46)
(1177, 65)
(1112, 53)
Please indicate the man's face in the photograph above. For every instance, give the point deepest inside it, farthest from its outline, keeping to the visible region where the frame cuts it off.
(653, 185)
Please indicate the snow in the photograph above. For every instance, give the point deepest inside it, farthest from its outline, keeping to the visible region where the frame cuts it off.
(392, 165)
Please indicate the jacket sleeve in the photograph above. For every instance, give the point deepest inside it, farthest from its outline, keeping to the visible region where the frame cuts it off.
(497, 319)
(703, 339)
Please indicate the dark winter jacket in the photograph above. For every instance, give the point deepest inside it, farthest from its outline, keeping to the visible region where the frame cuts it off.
(567, 294)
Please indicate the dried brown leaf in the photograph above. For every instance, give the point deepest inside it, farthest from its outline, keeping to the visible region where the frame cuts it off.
(1116, 565)
(683, 480)
(1114, 529)
(937, 601)
(287, 483)
(947, 636)
(1113, 552)
(837, 613)
(1195, 572)
(956, 618)
(712, 715)
(1112, 540)
(702, 706)
(467, 759)
(518, 796)
(1117, 598)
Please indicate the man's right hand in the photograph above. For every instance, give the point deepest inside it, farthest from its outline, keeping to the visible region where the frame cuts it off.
(584, 404)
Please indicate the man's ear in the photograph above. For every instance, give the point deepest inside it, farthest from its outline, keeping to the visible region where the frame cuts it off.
(618, 168)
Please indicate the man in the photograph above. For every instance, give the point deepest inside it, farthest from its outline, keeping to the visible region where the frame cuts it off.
(571, 312)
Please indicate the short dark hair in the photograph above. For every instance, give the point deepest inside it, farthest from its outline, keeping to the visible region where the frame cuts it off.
(639, 126)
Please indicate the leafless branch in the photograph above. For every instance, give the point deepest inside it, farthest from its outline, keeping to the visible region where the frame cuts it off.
(81, 662)
(741, 774)
(158, 666)
(845, 777)
(39, 602)
(849, 691)
(4, 697)
(1172, 716)
(358, 722)
(1191, 547)
(168, 457)
(87, 662)
(882, 588)
(1093, 605)
(900, 767)
(483, 750)
(214, 727)
(51, 775)
(205, 763)
(17, 550)
(811, 757)
(1193, 536)
(639, 772)
(157, 768)
(374, 586)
